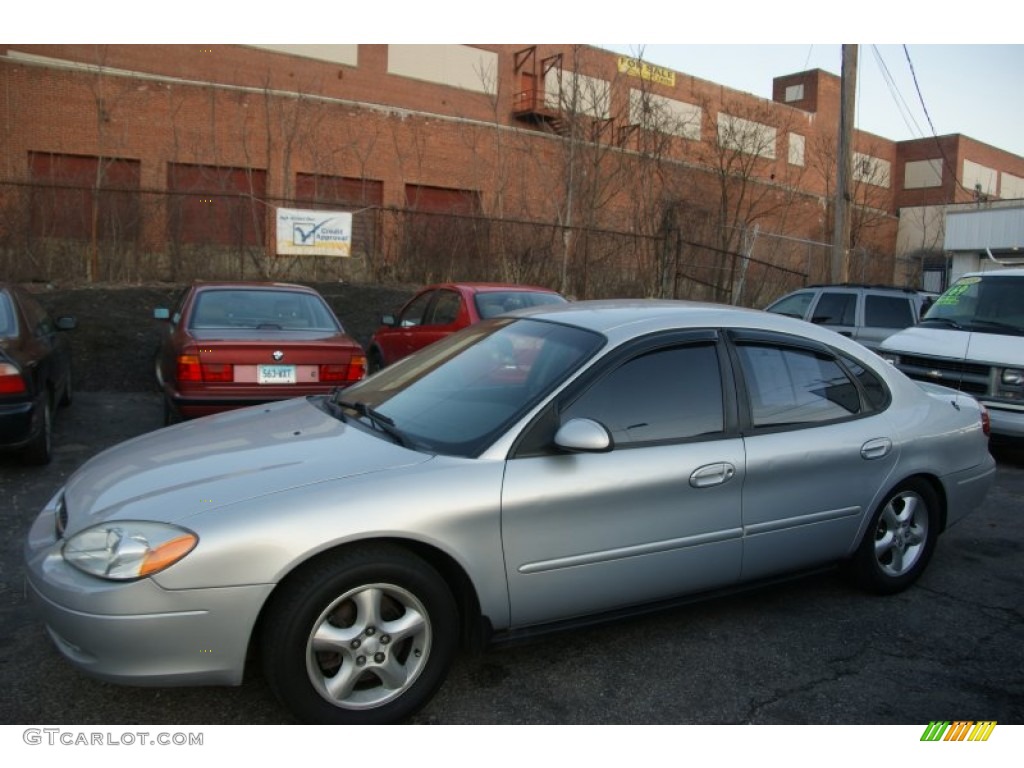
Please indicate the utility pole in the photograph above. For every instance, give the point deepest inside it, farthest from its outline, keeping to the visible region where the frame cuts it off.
(847, 107)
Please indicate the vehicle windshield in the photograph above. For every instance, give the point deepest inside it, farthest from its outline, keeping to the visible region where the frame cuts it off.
(458, 395)
(493, 303)
(982, 303)
(262, 309)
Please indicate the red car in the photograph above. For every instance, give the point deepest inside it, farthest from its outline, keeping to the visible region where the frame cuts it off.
(440, 310)
(228, 345)
(35, 373)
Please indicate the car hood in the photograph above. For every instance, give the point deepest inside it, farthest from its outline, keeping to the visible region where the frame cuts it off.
(216, 461)
(951, 344)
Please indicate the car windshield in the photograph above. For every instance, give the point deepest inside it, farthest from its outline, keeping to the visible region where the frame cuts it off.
(7, 325)
(983, 303)
(262, 309)
(493, 303)
(794, 305)
(458, 395)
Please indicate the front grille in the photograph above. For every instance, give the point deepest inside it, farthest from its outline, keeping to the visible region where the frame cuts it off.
(972, 378)
(957, 367)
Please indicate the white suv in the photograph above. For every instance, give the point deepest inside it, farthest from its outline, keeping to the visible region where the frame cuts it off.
(866, 313)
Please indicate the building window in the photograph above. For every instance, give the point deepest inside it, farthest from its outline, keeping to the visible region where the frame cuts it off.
(797, 144)
(212, 205)
(747, 136)
(871, 170)
(457, 66)
(81, 197)
(980, 178)
(922, 174)
(794, 93)
(1011, 187)
(652, 112)
(577, 94)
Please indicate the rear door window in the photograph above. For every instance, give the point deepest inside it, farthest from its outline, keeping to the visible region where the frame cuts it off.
(791, 386)
(835, 308)
(887, 311)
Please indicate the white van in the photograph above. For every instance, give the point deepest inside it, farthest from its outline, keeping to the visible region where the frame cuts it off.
(972, 339)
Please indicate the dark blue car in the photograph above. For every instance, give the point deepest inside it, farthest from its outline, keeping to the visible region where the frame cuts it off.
(35, 373)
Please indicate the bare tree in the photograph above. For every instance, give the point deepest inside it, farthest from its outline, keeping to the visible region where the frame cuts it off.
(755, 180)
(870, 183)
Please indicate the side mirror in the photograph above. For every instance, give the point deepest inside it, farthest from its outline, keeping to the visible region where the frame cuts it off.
(388, 320)
(66, 323)
(584, 436)
(162, 313)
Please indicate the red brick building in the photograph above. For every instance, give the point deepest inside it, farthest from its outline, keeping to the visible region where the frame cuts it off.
(561, 163)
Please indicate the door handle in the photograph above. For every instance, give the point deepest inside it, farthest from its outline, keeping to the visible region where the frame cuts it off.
(712, 474)
(876, 449)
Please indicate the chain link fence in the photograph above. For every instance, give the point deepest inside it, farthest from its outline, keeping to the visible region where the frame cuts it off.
(72, 235)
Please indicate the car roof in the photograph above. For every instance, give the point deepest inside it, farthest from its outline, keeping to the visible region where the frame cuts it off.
(484, 287)
(622, 318)
(863, 286)
(250, 285)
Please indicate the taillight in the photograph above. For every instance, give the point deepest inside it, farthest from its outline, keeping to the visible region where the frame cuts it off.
(354, 370)
(986, 423)
(11, 382)
(190, 369)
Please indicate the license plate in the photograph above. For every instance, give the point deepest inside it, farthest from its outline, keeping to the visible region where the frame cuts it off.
(276, 374)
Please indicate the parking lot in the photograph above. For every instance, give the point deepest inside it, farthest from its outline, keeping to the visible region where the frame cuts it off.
(810, 651)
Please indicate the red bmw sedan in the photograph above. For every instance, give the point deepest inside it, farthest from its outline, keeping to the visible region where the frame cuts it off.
(227, 345)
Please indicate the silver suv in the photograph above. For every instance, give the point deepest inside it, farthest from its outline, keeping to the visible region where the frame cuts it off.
(868, 314)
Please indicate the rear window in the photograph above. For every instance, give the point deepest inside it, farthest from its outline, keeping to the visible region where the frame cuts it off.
(494, 303)
(267, 310)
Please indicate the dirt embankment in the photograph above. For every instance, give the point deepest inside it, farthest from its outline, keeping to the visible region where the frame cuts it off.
(117, 336)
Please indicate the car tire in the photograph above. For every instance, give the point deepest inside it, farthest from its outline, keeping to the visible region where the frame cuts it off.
(67, 395)
(900, 540)
(364, 636)
(40, 449)
(374, 362)
(171, 415)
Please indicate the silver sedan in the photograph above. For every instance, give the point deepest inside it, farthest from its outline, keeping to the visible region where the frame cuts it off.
(534, 471)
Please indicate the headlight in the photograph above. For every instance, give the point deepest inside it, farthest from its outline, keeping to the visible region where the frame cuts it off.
(1013, 376)
(128, 549)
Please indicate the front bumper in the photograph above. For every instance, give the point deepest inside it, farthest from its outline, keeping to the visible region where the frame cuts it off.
(137, 632)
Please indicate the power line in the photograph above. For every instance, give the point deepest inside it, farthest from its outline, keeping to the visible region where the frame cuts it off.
(938, 143)
(906, 113)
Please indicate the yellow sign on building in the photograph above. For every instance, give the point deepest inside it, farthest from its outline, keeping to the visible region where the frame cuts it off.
(645, 71)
